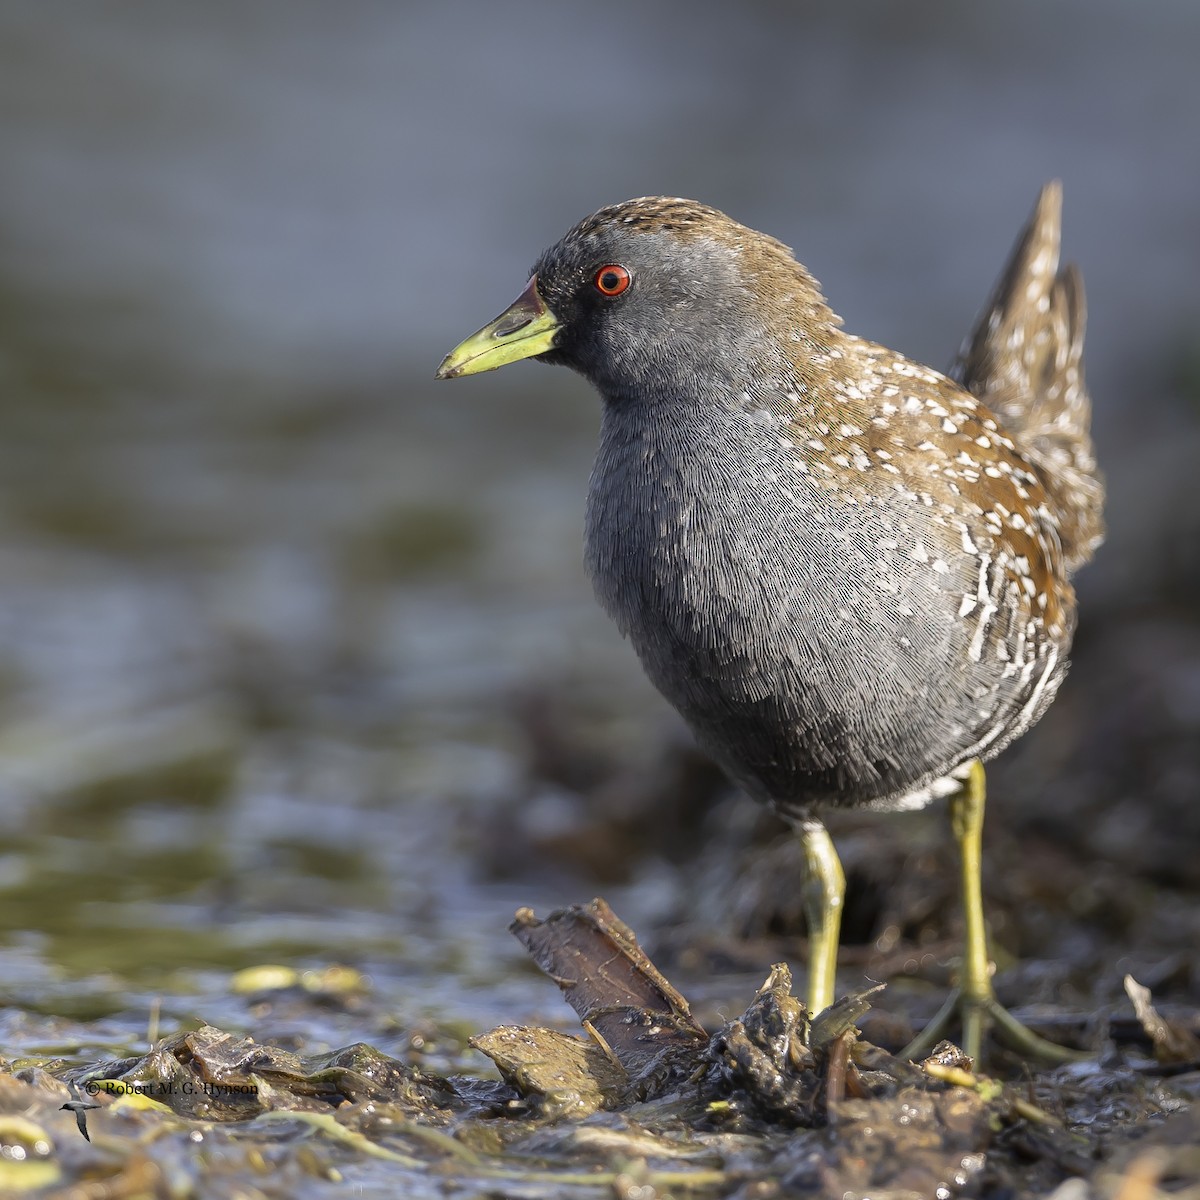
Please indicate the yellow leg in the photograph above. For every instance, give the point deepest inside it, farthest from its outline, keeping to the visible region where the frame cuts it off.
(975, 999)
(966, 822)
(824, 892)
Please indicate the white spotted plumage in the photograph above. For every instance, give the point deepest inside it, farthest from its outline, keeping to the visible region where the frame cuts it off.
(848, 571)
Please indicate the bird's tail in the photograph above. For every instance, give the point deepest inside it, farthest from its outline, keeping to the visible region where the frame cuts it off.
(1024, 360)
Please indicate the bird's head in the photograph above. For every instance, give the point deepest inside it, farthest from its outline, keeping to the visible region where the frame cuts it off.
(654, 296)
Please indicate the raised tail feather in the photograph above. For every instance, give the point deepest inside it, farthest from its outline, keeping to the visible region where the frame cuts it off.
(1024, 360)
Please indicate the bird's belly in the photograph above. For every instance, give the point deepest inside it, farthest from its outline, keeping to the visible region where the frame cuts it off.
(810, 655)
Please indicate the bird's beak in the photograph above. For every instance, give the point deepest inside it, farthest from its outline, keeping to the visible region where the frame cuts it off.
(525, 328)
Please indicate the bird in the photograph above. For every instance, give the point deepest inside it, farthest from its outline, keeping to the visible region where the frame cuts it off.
(80, 1108)
(850, 573)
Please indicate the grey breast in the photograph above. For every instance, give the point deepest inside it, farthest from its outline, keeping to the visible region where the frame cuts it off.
(810, 651)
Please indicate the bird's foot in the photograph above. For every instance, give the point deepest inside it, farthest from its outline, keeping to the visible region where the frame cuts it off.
(983, 1018)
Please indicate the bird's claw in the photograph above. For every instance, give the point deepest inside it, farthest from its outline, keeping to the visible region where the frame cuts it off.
(984, 1018)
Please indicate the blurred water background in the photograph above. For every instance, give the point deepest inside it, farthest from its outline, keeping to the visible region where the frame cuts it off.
(283, 622)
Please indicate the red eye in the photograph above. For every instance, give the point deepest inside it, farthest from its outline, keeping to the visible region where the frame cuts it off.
(612, 280)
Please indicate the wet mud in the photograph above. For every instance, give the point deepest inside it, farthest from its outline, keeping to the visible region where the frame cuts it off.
(643, 1102)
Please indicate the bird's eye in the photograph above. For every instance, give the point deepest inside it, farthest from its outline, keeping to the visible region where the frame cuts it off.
(612, 280)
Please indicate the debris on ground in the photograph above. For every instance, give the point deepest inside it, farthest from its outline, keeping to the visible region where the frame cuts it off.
(645, 1102)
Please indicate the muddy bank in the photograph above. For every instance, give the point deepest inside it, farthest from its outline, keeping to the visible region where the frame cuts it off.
(646, 1102)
